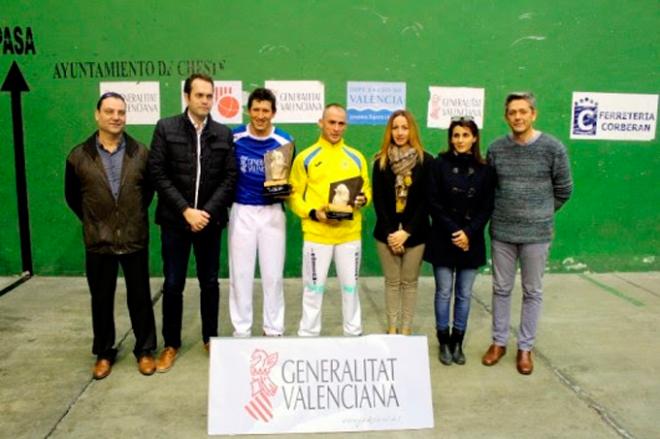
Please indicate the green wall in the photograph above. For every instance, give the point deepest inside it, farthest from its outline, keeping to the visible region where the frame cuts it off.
(612, 222)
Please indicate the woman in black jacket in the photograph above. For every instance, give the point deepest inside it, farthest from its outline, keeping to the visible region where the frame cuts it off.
(402, 224)
(461, 190)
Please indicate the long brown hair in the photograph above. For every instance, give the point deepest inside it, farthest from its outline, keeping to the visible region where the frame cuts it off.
(413, 137)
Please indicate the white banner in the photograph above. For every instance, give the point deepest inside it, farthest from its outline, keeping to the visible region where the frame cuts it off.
(142, 100)
(371, 103)
(266, 385)
(447, 102)
(614, 116)
(298, 101)
(227, 101)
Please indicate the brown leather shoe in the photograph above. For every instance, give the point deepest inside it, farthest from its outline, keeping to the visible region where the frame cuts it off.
(102, 368)
(524, 362)
(166, 359)
(493, 355)
(147, 365)
(207, 347)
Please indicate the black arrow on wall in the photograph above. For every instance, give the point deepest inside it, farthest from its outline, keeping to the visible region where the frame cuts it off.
(15, 84)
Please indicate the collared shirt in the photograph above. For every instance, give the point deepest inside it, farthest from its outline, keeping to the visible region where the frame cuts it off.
(112, 163)
(198, 128)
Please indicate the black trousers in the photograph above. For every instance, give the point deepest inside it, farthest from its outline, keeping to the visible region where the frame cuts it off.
(176, 245)
(102, 272)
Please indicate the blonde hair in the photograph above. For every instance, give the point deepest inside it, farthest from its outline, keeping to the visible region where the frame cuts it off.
(413, 137)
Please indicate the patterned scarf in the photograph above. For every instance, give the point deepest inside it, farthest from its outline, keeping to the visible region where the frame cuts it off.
(402, 160)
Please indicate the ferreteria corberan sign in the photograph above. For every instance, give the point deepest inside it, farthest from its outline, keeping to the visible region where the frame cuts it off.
(295, 385)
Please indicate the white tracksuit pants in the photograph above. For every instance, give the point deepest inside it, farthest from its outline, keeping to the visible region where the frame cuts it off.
(316, 262)
(256, 231)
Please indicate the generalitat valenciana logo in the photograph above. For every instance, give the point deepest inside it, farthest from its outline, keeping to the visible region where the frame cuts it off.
(260, 407)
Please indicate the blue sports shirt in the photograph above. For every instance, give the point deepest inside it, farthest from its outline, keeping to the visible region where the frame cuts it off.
(250, 151)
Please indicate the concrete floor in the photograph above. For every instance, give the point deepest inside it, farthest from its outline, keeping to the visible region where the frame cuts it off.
(596, 376)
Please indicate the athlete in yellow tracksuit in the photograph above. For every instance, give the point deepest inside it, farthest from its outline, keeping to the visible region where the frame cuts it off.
(314, 169)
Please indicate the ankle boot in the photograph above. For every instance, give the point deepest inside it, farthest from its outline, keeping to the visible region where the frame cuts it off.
(457, 343)
(445, 349)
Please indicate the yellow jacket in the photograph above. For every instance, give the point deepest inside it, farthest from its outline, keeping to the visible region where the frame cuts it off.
(312, 172)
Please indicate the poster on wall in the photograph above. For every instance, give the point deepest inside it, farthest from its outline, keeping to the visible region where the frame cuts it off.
(614, 116)
(227, 101)
(142, 100)
(298, 101)
(371, 103)
(319, 384)
(447, 102)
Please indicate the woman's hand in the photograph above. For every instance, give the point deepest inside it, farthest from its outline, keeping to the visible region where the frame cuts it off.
(397, 240)
(460, 240)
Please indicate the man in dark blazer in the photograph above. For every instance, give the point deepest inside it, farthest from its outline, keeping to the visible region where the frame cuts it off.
(107, 187)
(193, 169)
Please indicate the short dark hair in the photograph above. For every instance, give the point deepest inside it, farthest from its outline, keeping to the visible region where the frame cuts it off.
(262, 94)
(524, 95)
(187, 86)
(109, 94)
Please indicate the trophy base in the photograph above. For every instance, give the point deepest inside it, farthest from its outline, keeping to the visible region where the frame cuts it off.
(339, 212)
(276, 189)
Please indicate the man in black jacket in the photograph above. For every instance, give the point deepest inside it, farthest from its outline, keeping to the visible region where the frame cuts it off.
(193, 169)
(106, 186)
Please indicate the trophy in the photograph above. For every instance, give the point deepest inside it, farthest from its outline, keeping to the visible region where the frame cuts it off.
(277, 164)
(342, 198)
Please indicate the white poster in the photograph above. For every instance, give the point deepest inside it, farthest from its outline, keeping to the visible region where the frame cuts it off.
(227, 101)
(142, 100)
(266, 385)
(371, 103)
(298, 101)
(614, 116)
(448, 102)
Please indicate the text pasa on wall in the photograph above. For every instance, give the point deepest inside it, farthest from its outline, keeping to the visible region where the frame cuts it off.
(227, 104)
(322, 384)
(613, 116)
(142, 100)
(371, 103)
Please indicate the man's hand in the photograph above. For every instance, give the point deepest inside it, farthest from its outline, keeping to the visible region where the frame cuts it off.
(323, 218)
(197, 219)
(460, 240)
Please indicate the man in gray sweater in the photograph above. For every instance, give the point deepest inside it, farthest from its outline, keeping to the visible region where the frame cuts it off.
(533, 182)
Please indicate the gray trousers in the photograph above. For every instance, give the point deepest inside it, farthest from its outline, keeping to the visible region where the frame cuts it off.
(532, 264)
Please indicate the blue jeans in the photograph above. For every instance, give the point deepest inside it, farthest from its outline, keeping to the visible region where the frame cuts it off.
(176, 245)
(444, 283)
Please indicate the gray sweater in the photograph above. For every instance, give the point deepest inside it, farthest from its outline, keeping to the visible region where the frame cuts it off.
(533, 181)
